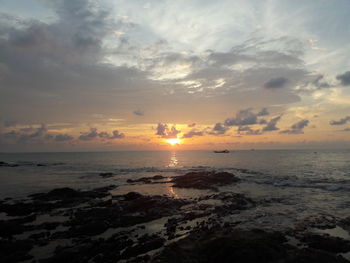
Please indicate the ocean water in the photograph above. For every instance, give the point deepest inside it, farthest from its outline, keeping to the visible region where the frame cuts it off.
(313, 181)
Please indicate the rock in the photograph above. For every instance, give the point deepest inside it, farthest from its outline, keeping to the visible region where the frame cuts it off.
(147, 243)
(15, 251)
(243, 246)
(327, 243)
(204, 180)
(106, 175)
(146, 180)
(4, 164)
(345, 223)
(58, 194)
(90, 228)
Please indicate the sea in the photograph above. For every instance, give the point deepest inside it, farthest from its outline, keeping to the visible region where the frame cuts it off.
(307, 182)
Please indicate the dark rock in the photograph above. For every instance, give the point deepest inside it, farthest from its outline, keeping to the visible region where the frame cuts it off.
(49, 225)
(146, 180)
(204, 180)
(90, 228)
(4, 164)
(106, 175)
(243, 246)
(327, 243)
(345, 223)
(9, 228)
(147, 243)
(58, 194)
(15, 251)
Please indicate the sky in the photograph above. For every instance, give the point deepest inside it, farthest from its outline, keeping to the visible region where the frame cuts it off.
(110, 75)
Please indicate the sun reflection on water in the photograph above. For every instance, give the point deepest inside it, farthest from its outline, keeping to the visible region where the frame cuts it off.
(173, 160)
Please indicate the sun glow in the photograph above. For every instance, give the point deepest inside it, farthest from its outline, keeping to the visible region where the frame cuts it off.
(173, 141)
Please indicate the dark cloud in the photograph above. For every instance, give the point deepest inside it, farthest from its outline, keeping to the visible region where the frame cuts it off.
(245, 117)
(30, 135)
(193, 133)
(344, 78)
(218, 129)
(117, 135)
(9, 123)
(139, 112)
(93, 134)
(63, 138)
(271, 125)
(164, 131)
(39, 133)
(276, 83)
(263, 112)
(246, 130)
(341, 121)
(89, 135)
(297, 128)
(191, 125)
(320, 83)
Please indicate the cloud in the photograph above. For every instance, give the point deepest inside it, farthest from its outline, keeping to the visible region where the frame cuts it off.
(263, 112)
(63, 138)
(344, 78)
(297, 128)
(117, 135)
(245, 117)
(341, 121)
(218, 129)
(89, 135)
(191, 125)
(246, 130)
(93, 134)
(193, 133)
(320, 83)
(165, 132)
(9, 123)
(139, 112)
(276, 83)
(271, 125)
(30, 135)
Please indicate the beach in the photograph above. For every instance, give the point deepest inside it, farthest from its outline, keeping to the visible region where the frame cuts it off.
(244, 206)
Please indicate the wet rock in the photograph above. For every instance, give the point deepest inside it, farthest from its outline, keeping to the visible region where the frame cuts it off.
(146, 244)
(204, 180)
(106, 175)
(98, 251)
(146, 180)
(57, 194)
(4, 164)
(57, 198)
(327, 243)
(244, 246)
(49, 225)
(15, 251)
(90, 228)
(9, 228)
(345, 223)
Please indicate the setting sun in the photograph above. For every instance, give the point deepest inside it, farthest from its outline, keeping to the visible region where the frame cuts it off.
(173, 141)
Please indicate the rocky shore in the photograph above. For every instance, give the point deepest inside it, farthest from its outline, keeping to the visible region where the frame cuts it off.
(68, 225)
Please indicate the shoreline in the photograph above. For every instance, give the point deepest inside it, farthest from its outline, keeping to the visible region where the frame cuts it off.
(101, 225)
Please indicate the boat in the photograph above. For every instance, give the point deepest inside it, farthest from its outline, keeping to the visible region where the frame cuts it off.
(223, 151)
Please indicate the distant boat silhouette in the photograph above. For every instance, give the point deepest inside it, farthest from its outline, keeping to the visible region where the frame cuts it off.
(224, 151)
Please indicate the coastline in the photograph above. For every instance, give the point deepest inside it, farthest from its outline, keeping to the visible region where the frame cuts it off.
(115, 223)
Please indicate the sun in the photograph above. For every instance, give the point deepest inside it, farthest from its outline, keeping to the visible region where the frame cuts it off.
(173, 141)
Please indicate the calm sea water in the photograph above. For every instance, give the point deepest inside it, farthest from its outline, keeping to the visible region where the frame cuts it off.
(320, 178)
